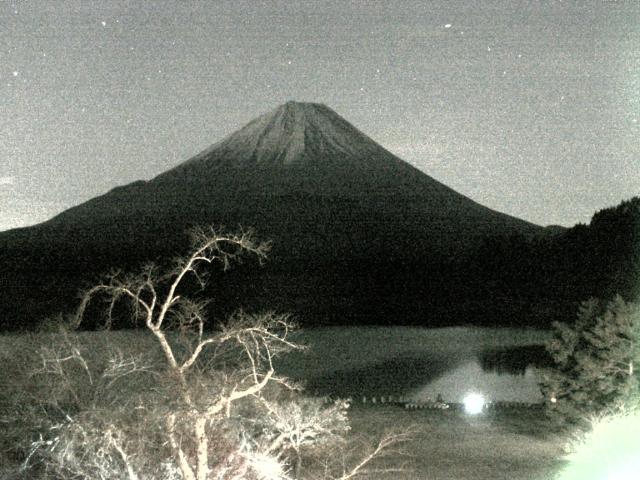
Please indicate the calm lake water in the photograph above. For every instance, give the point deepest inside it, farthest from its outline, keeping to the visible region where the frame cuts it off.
(420, 363)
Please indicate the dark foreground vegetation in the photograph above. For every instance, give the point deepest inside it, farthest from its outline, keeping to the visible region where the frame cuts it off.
(506, 280)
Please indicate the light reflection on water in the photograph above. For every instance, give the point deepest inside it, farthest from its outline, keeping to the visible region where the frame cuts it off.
(471, 377)
(421, 364)
(423, 379)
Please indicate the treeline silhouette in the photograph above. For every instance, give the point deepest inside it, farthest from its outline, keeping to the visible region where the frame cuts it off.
(553, 274)
(513, 280)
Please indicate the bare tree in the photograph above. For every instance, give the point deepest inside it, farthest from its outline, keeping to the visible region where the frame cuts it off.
(217, 410)
(157, 299)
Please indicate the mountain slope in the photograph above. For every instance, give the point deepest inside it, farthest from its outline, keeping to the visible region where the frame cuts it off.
(352, 224)
(299, 165)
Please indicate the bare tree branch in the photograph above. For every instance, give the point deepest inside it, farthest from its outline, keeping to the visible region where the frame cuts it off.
(384, 444)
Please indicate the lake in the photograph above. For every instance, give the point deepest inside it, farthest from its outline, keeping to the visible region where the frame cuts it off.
(420, 363)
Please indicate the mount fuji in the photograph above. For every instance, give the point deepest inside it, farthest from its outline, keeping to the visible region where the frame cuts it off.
(358, 233)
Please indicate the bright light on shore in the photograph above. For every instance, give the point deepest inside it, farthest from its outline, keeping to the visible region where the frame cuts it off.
(473, 403)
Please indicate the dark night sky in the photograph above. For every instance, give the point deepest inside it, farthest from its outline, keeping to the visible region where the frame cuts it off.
(531, 108)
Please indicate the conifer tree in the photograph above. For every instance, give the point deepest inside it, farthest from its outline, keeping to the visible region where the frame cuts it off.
(595, 361)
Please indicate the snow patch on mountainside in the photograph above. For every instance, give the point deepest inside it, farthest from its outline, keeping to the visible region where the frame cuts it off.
(291, 134)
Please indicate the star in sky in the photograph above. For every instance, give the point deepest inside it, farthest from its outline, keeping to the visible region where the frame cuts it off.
(437, 103)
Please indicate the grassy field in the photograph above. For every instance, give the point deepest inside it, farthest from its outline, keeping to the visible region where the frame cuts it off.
(451, 445)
